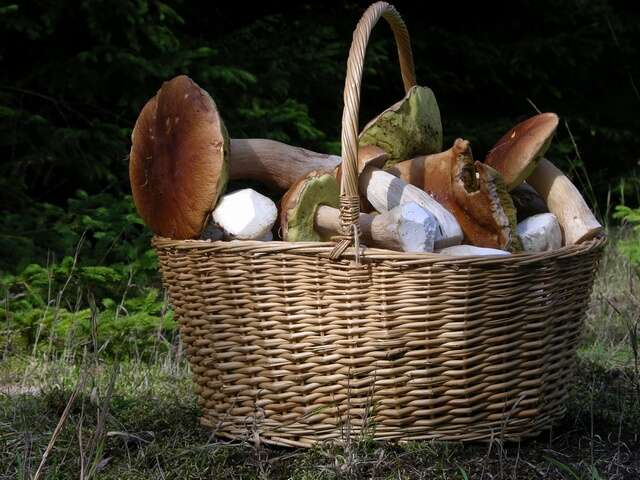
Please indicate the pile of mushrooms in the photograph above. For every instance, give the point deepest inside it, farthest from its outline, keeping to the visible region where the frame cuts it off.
(417, 198)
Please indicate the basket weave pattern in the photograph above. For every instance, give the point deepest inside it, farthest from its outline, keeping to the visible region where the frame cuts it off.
(302, 342)
(284, 342)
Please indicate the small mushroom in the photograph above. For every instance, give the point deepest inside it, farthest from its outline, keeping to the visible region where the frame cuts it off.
(475, 194)
(178, 160)
(408, 128)
(308, 213)
(519, 150)
(299, 205)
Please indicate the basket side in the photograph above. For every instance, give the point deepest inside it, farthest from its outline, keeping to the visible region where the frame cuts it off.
(296, 348)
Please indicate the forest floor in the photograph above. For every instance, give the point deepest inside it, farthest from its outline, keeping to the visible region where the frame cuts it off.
(139, 419)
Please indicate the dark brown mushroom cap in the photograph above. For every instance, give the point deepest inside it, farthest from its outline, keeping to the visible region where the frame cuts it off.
(527, 201)
(519, 150)
(178, 160)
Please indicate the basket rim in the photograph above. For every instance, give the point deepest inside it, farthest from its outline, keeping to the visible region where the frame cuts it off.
(367, 254)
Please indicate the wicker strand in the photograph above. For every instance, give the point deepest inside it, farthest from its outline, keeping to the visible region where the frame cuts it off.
(349, 227)
(284, 342)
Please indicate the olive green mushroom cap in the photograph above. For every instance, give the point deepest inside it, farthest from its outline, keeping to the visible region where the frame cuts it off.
(299, 205)
(409, 128)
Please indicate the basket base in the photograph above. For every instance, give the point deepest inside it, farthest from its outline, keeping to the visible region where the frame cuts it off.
(300, 435)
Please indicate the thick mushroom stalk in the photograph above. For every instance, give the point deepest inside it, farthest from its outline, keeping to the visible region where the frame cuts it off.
(245, 215)
(275, 164)
(540, 233)
(386, 191)
(178, 160)
(308, 213)
(406, 228)
(565, 201)
(472, 191)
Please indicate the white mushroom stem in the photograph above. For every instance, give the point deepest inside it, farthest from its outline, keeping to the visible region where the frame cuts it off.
(406, 228)
(564, 200)
(274, 163)
(468, 250)
(385, 192)
(245, 215)
(540, 233)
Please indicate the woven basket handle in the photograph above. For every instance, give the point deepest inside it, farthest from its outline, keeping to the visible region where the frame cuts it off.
(349, 198)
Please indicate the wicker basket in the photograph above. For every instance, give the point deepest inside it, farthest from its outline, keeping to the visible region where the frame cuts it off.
(301, 342)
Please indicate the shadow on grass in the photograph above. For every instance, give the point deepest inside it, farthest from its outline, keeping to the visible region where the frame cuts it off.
(152, 430)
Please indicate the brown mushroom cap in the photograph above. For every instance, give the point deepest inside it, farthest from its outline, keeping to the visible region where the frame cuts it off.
(178, 160)
(519, 150)
(473, 192)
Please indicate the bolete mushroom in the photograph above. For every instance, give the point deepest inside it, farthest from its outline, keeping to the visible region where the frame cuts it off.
(565, 201)
(519, 150)
(308, 212)
(178, 159)
(517, 155)
(385, 192)
(475, 194)
(275, 164)
(408, 128)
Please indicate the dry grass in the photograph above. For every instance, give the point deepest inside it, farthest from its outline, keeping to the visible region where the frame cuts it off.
(136, 419)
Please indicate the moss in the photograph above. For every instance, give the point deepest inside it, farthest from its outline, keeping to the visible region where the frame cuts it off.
(316, 191)
(409, 128)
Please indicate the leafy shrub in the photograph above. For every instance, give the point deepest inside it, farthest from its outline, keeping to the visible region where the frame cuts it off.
(631, 247)
(106, 276)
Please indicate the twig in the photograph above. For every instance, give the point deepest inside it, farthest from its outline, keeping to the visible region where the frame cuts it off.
(61, 422)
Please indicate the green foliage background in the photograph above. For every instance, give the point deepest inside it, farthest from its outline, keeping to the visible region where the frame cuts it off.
(75, 74)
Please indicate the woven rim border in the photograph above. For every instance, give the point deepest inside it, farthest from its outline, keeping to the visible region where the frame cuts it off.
(324, 250)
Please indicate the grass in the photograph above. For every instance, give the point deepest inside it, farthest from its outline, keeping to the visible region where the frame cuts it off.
(135, 419)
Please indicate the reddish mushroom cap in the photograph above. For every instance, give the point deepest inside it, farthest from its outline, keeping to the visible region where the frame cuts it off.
(519, 150)
(177, 165)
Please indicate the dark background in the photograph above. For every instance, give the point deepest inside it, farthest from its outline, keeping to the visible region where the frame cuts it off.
(74, 76)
